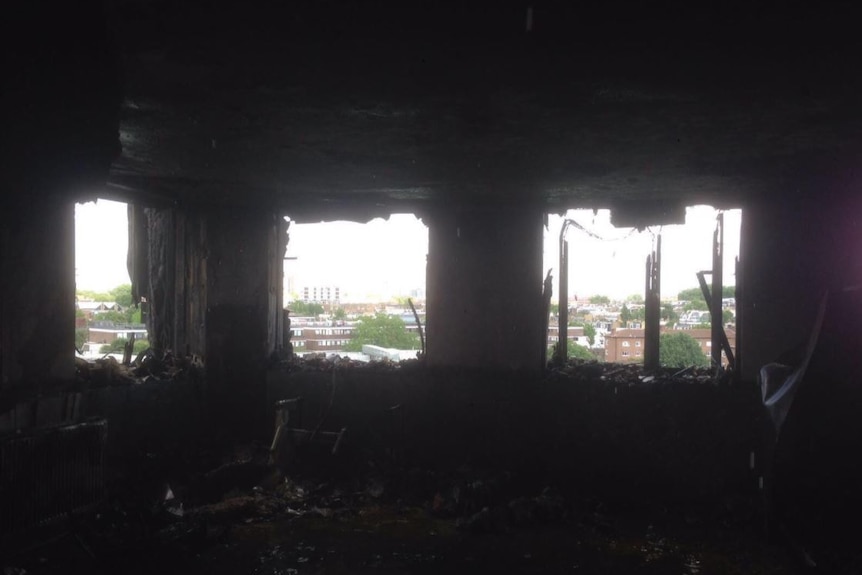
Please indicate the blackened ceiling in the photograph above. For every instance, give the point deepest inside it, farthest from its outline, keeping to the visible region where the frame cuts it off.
(332, 104)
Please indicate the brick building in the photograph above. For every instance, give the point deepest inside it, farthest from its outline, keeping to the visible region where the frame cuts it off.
(323, 338)
(627, 345)
(313, 336)
(108, 331)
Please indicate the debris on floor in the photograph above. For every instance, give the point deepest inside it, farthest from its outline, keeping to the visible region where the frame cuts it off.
(328, 362)
(233, 508)
(148, 367)
(460, 521)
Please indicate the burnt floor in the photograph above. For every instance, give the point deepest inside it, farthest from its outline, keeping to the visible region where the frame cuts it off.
(337, 529)
(216, 505)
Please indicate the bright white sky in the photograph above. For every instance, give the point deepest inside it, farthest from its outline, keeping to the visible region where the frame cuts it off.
(617, 268)
(101, 242)
(383, 258)
(369, 262)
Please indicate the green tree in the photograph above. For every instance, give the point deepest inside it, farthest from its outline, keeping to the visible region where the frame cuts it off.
(130, 314)
(696, 304)
(668, 314)
(574, 351)
(80, 337)
(635, 298)
(600, 299)
(690, 294)
(115, 346)
(383, 330)
(122, 294)
(625, 315)
(111, 315)
(693, 294)
(339, 314)
(93, 295)
(590, 333)
(119, 344)
(135, 315)
(727, 317)
(304, 308)
(680, 350)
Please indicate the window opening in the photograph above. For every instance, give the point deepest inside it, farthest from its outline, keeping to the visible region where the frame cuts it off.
(105, 318)
(349, 285)
(606, 283)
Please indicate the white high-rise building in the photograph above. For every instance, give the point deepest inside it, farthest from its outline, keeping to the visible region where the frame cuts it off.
(321, 294)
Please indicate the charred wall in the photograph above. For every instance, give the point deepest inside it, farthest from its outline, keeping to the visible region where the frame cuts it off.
(792, 252)
(60, 115)
(37, 297)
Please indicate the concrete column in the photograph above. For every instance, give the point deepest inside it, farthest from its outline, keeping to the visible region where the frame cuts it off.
(791, 252)
(169, 260)
(161, 256)
(243, 315)
(485, 289)
(37, 295)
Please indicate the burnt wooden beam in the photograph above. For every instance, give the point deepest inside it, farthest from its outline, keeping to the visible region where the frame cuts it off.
(652, 311)
(724, 343)
(547, 289)
(717, 289)
(563, 297)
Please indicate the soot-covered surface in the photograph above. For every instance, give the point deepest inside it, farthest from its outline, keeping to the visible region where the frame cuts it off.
(429, 503)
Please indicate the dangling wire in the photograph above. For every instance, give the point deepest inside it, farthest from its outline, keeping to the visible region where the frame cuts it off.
(592, 234)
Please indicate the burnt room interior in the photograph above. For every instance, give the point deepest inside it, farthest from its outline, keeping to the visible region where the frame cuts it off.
(217, 452)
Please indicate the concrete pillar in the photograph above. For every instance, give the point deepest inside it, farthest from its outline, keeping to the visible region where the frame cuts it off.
(485, 289)
(791, 251)
(161, 257)
(170, 271)
(652, 311)
(214, 284)
(243, 311)
(37, 295)
(60, 131)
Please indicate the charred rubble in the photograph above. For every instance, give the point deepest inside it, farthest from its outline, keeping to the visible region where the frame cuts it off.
(394, 496)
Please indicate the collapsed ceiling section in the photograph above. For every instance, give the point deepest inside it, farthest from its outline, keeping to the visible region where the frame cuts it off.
(382, 106)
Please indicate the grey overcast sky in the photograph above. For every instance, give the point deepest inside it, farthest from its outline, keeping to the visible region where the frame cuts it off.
(615, 267)
(101, 241)
(385, 258)
(369, 262)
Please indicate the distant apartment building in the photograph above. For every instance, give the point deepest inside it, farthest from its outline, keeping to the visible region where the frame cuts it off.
(624, 346)
(574, 333)
(694, 317)
(91, 309)
(323, 338)
(321, 294)
(309, 335)
(108, 331)
(627, 345)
